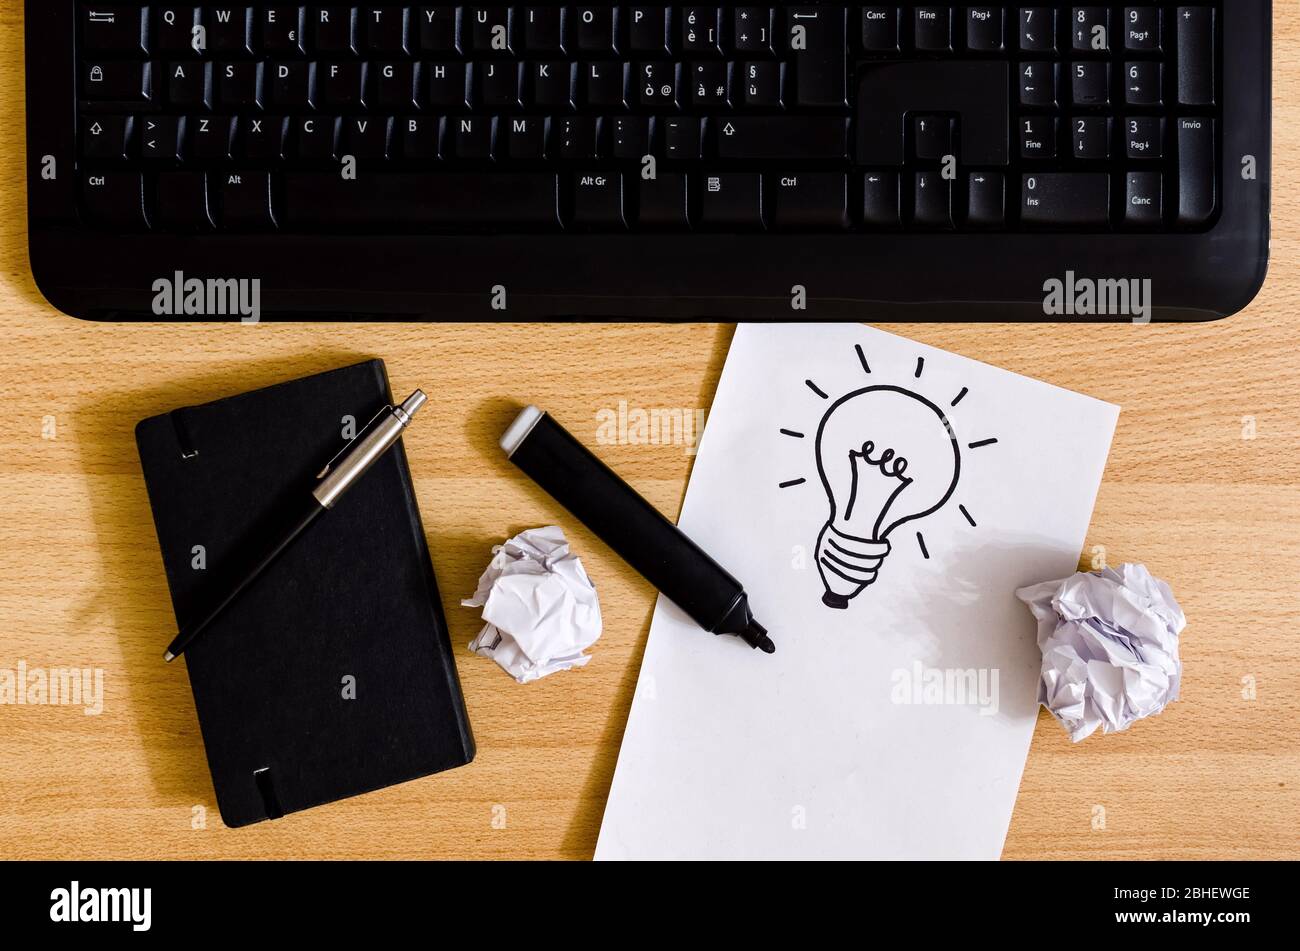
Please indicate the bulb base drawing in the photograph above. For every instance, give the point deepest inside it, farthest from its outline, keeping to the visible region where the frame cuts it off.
(848, 564)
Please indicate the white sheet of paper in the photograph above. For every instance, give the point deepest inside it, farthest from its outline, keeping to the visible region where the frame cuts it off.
(896, 727)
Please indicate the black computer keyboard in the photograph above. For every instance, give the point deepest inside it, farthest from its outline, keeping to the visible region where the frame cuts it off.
(916, 161)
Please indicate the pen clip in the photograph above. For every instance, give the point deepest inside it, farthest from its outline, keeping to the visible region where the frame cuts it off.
(348, 445)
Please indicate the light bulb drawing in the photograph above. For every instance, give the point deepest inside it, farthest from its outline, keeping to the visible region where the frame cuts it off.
(887, 456)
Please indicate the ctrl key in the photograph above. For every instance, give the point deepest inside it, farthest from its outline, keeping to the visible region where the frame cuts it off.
(115, 199)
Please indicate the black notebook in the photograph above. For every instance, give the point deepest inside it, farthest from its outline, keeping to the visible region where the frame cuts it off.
(333, 674)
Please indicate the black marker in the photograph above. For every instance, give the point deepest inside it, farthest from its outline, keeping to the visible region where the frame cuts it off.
(631, 526)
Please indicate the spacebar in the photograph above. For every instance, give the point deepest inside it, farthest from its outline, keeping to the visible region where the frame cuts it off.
(326, 199)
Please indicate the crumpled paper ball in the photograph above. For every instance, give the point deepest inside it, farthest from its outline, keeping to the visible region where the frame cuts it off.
(540, 607)
(1110, 647)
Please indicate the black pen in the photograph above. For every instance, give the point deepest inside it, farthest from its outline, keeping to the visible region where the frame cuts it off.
(630, 525)
(339, 475)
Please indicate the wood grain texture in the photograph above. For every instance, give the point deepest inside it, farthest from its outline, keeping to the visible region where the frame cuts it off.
(81, 580)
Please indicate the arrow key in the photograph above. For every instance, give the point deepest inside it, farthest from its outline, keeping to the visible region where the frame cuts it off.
(160, 137)
(987, 200)
(106, 137)
(933, 137)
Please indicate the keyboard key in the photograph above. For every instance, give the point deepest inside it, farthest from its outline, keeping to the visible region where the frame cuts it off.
(1038, 85)
(663, 203)
(708, 85)
(230, 31)
(1144, 137)
(751, 30)
(448, 84)
(525, 137)
(1038, 137)
(1196, 186)
(984, 29)
(1090, 83)
(419, 137)
(333, 30)
(1065, 199)
(262, 138)
(576, 137)
(386, 29)
(116, 80)
(1195, 27)
(932, 29)
(648, 30)
(239, 85)
(1037, 29)
(699, 33)
(1142, 29)
(631, 137)
(366, 137)
(732, 200)
(316, 139)
(810, 201)
(761, 85)
(174, 30)
(183, 205)
(820, 66)
(604, 82)
(106, 137)
(598, 201)
(595, 30)
(115, 199)
(880, 29)
(495, 85)
(1090, 29)
(397, 86)
(189, 85)
(319, 200)
(657, 85)
(681, 138)
(932, 138)
(1091, 136)
(469, 138)
(246, 200)
(282, 29)
(985, 200)
(437, 29)
(553, 85)
(161, 137)
(880, 199)
(115, 29)
(212, 137)
(488, 29)
(780, 137)
(1142, 84)
(544, 29)
(290, 85)
(932, 201)
(341, 85)
(1143, 199)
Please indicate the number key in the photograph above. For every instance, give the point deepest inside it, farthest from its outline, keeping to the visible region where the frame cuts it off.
(1037, 29)
(1037, 84)
(1142, 29)
(1090, 29)
(1142, 82)
(1091, 84)
(1091, 138)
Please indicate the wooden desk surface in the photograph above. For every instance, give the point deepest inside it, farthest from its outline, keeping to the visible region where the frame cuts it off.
(81, 581)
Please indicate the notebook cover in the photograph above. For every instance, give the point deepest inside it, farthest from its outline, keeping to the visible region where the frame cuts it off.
(353, 597)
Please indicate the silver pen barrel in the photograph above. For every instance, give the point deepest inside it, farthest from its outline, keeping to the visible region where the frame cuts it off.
(367, 450)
